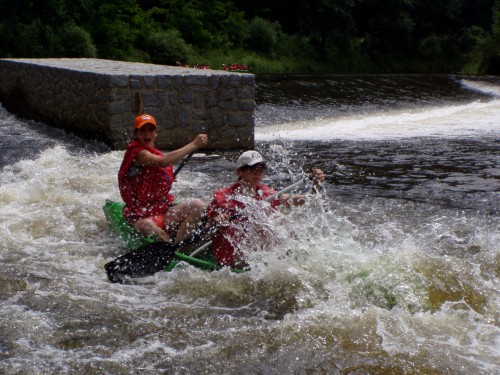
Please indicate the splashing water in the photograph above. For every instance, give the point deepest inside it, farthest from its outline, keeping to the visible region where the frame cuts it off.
(376, 274)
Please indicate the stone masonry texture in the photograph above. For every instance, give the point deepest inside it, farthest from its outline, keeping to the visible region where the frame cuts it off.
(99, 99)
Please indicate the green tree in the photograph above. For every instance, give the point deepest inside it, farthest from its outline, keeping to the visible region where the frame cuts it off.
(430, 35)
(115, 27)
(76, 42)
(203, 24)
(386, 26)
(329, 23)
(167, 47)
(233, 29)
(31, 27)
(35, 39)
(484, 48)
(262, 36)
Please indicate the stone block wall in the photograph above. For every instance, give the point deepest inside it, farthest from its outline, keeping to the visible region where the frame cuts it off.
(100, 99)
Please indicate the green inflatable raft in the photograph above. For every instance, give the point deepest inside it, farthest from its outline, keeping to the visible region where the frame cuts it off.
(141, 245)
(118, 225)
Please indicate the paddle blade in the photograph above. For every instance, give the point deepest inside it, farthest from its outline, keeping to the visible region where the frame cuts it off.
(141, 262)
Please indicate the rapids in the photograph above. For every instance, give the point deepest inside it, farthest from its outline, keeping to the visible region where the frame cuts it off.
(392, 269)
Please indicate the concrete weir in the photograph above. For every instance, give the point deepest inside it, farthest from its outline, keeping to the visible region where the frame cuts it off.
(100, 98)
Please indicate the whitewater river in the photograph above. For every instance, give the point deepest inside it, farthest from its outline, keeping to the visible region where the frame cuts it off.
(393, 269)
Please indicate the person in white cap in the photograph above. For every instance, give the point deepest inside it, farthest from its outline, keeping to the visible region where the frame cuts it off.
(145, 178)
(250, 168)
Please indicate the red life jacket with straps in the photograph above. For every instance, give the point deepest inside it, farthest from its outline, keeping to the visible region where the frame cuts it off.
(145, 189)
(226, 235)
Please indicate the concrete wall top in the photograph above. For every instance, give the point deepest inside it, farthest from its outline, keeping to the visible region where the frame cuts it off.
(112, 67)
(100, 98)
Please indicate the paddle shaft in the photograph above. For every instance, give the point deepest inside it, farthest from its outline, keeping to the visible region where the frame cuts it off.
(268, 199)
(182, 163)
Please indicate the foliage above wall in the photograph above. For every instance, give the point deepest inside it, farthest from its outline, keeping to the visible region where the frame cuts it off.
(335, 36)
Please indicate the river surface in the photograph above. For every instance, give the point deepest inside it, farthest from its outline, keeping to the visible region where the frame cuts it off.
(393, 268)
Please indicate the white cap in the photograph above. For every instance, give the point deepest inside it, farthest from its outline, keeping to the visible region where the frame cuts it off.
(249, 158)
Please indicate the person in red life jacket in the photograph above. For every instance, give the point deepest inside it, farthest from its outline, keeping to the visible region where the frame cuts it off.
(229, 201)
(145, 179)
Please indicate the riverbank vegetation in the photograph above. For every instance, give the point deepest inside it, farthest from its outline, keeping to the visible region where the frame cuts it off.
(314, 36)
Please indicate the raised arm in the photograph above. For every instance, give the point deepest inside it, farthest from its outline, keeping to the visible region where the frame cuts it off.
(147, 158)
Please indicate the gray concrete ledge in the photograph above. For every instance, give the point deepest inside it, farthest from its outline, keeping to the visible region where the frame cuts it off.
(99, 99)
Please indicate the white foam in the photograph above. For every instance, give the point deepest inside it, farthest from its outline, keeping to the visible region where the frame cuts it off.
(484, 87)
(471, 119)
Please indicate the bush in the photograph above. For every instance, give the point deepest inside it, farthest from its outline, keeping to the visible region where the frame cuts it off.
(262, 36)
(476, 46)
(34, 40)
(167, 47)
(432, 47)
(76, 42)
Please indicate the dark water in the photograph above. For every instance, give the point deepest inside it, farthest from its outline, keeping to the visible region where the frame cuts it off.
(462, 174)
(392, 269)
(289, 98)
(460, 171)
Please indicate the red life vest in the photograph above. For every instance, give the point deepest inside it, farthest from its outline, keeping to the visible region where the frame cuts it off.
(144, 189)
(226, 235)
